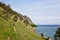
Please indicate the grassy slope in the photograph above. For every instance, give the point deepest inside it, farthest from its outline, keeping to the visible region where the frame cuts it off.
(22, 32)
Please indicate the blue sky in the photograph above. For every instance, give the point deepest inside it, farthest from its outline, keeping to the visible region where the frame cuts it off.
(40, 11)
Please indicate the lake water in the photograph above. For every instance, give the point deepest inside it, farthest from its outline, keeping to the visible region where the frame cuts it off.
(47, 30)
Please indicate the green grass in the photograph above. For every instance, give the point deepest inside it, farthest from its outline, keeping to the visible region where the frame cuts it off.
(21, 33)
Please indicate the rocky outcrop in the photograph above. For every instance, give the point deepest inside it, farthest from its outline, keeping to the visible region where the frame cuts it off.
(27, 19)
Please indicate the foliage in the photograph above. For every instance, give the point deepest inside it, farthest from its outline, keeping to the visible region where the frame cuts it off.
(4, 6)
(33, 25)
(42, 35)
(26, 22)
(57, 34)
(15, 18)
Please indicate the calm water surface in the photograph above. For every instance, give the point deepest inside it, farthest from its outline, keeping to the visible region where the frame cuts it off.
(47, 30)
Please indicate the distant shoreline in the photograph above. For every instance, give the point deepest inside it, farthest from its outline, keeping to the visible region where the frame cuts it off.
(48, 25)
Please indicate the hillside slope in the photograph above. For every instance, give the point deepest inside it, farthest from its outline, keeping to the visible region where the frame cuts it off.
(13, 27)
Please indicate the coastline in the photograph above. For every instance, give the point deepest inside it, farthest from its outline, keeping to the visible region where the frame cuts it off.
(34, 28)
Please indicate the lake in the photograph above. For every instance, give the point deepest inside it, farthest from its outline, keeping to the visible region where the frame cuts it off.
(47, 30)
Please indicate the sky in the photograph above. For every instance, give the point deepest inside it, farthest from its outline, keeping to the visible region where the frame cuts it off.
(43, 12)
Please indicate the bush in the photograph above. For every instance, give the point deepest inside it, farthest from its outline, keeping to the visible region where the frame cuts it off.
(15, 18)
(57, 34)
(42, 35)
(26, 22)
(33, 25)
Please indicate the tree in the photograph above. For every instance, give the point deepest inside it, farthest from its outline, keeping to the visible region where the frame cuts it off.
(57, 34)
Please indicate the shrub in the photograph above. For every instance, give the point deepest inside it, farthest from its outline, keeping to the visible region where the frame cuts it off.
(33, 25)
(15, 18)
(57, 34)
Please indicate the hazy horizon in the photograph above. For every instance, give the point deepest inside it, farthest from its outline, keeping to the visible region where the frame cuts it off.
(43, 12)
